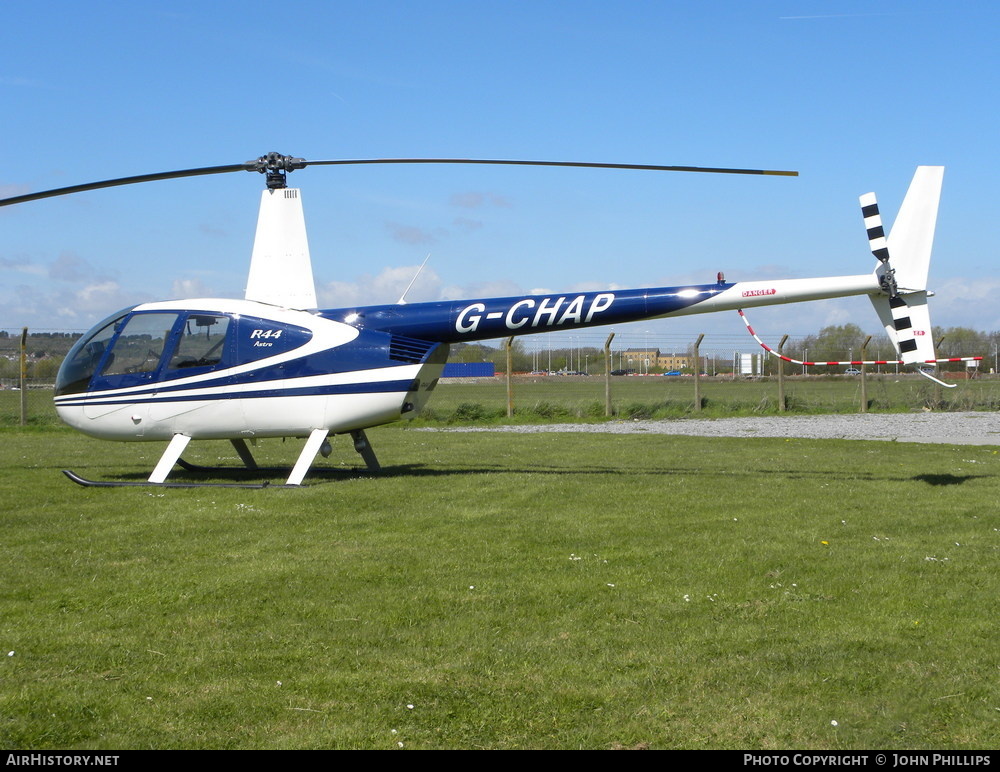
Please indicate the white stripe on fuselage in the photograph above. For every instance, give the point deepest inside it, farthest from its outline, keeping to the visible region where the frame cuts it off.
(158, 392)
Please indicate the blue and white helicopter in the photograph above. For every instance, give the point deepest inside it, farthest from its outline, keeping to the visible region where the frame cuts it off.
(275, 365)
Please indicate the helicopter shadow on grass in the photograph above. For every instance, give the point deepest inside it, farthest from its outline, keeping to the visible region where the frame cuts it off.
(193, 474)
(428, 471)
(948, 479)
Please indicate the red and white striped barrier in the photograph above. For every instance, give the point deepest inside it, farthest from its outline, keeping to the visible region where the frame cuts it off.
(770, 350)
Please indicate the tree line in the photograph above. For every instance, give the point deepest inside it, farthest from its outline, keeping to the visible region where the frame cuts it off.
(844, 342)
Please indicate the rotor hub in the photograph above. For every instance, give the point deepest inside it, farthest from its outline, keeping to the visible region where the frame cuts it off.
(887, 282)
(275, 166)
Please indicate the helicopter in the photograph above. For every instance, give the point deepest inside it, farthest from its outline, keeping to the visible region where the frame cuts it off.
(275, 365)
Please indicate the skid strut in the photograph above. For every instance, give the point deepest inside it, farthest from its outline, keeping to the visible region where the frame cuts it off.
(364, 447)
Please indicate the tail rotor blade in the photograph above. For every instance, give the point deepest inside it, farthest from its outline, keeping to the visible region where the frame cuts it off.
(873, 224)
(878, 244)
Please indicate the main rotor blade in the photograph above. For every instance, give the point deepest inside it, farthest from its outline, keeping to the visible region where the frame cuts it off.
(123, 181)
(276, 163)
(647, 167)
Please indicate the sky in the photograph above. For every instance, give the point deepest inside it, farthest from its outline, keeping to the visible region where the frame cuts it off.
(853, 95)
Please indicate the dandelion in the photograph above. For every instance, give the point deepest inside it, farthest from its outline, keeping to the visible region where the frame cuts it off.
(825, 542)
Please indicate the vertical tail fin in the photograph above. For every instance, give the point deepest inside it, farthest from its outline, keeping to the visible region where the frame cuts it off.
(904, 259)
(912, 233)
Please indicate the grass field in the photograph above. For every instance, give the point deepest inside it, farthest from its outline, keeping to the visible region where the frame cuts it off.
(505, 591)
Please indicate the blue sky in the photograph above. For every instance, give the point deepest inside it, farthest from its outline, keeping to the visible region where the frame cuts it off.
(853, 95)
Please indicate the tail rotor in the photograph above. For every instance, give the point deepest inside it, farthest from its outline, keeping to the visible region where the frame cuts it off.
(877, 243)
(903, 262)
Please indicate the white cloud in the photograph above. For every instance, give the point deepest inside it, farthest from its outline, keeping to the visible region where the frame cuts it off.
(963, 302)
(22, 266)
(500, 288)
(190, 288)
(64, 309)
(593, 286)
(385, 287)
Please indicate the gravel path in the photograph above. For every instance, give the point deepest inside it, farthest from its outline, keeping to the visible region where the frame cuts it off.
(950, 428)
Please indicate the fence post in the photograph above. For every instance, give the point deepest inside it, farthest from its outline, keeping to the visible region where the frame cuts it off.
(864, 375)
(697, 373)
(510, 385)
(781, 375)
(24, 376)
(607, 375)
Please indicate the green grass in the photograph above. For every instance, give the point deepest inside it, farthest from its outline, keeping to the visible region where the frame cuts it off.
(518, 591)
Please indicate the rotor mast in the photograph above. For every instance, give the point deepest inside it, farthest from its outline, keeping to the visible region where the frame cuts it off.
(280, 265)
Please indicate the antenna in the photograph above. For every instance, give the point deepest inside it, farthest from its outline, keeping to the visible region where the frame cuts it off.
(402, 298)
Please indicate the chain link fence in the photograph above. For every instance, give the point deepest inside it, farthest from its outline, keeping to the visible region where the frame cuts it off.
(561, 376)
(28, 366)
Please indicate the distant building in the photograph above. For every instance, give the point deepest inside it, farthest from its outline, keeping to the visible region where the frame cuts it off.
(643, 359)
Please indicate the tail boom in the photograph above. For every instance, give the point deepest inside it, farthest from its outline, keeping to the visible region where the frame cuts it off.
(749, 294)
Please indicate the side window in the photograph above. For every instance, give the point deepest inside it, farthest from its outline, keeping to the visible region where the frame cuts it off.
(140, 344)
(201, 342)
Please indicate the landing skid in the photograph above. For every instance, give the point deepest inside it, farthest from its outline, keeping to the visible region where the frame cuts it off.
(316, 443)
(146, 484)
